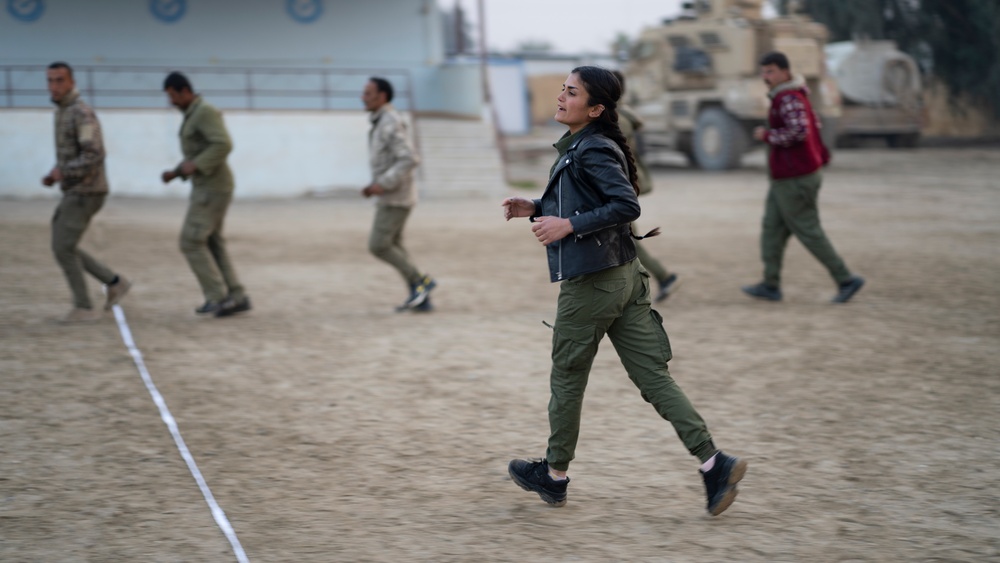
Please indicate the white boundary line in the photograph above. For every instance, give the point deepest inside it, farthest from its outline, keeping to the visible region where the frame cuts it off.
(168, 419)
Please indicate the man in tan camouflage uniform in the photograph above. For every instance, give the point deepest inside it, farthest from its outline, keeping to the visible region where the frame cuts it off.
(205, 143)
(79, 171)
(392, 160)
(630, 124)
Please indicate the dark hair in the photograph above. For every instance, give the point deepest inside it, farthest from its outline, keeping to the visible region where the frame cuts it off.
(621, 78)
(177, 82)
(775, 58)
(604, 89)
(60, 64)
(382, 85)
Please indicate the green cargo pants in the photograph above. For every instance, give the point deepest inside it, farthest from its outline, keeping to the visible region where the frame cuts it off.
(386, 241)
(655, 267)
(70, 221)
(791, 208)
(615, 302)
(202, 244)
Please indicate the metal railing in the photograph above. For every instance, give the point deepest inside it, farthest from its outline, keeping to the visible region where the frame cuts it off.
(249, 88)
(244, 88)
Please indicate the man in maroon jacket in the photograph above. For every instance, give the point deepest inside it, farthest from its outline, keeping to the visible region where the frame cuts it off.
(795, 156)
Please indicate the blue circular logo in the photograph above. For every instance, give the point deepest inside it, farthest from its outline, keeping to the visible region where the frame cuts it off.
(304, 11)
(168, 11)
(25, 10)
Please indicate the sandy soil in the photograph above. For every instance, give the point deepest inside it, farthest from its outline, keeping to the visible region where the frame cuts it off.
(330, 428)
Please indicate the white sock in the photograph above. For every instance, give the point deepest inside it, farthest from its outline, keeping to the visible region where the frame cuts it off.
(708, 465)
(556, 477)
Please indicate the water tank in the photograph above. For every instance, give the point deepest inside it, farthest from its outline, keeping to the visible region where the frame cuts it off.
(874, 73)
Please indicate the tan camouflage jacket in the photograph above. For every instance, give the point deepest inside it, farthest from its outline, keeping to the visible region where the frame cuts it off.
(206, 142)
(392, 158)
(79, 147)
(630, 124)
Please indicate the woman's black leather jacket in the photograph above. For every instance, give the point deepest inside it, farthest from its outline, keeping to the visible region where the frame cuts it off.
(590, 187)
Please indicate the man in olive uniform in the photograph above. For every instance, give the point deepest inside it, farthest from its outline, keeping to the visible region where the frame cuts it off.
(392, 161)
(205, 143)
(630, 124)
(79, 170)
(795, 156)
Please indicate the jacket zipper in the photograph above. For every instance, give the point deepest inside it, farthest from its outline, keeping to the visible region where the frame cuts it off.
(559, 194)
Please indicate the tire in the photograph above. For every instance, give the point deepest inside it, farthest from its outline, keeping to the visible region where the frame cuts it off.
(719, 140)
(903, 141)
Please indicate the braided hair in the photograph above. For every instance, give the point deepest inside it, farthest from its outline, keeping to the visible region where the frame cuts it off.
(604, 88)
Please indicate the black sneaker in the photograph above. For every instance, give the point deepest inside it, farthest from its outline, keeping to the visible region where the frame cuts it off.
(209, 308)
(721, 480)
(425, 307)
(848, 289)
(232, 306)
(420, 292)
(667, 287)
(763, 291)
(406, 303)
(533, 475)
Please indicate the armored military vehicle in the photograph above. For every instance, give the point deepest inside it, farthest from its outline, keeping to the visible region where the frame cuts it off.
(695, 82)
(881, 90)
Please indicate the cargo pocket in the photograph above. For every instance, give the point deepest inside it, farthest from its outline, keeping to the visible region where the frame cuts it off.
(194, 235)
(200, 198)
(608, 300)
(573, 346)
(72, 214)
(645, 297)
(610, 286)
(661, 334)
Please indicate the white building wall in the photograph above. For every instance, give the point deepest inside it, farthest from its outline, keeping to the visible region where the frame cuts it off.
(391, 37)
(275, 154)
(565, 63)
(241, 32)
(509, 93)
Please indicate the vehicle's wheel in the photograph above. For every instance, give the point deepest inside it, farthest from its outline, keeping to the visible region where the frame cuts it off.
(903, 141)
(719, 140)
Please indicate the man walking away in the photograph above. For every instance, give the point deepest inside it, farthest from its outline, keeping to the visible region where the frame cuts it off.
(796, 154)
(205, 143)
(79, 171)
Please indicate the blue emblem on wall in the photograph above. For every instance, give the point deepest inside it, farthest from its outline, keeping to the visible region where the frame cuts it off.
(304, 11)
(25, 10)
(168, 11)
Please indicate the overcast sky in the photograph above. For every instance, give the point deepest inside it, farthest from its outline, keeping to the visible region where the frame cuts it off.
(571, 26)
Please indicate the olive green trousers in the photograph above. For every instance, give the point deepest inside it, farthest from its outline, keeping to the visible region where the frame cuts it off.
(654, 266)
(70, 221)
(386, 241)
(616, 302)
(204, 247)
(791, 209)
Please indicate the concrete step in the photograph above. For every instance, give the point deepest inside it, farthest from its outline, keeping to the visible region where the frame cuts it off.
(459, 157)
(457, 144)
(431, 159)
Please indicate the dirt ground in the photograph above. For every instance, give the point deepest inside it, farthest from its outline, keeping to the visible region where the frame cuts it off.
(330, 428)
